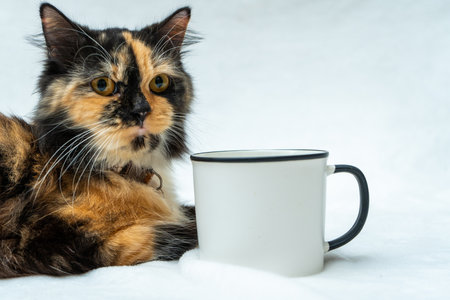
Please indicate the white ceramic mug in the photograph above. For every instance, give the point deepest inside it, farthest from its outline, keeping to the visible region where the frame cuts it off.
(265, 208)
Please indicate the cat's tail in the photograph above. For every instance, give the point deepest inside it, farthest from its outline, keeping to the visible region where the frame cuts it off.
(173, 240)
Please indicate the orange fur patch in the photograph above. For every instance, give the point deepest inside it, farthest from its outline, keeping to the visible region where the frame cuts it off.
(113, 205)
(122, 62)
(86, 111)
(135, 243)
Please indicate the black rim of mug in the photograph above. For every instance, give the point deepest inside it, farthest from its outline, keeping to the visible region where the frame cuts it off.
(271, 158)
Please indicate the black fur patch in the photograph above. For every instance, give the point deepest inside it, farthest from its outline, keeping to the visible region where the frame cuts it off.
(154, 141)
(173, 240)
(10, 189)
(60, 138)
(57, 248)
(176, 143)
(138, 143)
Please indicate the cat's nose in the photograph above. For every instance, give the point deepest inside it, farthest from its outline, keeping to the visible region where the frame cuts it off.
(141, 109)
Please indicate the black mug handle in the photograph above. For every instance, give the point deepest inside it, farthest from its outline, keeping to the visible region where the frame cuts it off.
(363, 206)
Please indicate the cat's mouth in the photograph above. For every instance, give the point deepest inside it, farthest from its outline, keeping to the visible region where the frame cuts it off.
(141, 131)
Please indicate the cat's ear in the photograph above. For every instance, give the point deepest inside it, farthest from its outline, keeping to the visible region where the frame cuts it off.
(61, 34)
(171, 32)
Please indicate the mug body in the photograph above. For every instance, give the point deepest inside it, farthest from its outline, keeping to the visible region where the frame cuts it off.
(262, 208)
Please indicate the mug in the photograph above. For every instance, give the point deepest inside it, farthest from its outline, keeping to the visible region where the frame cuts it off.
(265, 209)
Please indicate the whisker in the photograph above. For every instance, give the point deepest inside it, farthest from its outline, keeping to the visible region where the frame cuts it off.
(93, 163)
(71, 141)
(48, 132)
(81, 175)
(89, 147)
(41, 179)
(63, 171)
(58, 157)
(89, 144)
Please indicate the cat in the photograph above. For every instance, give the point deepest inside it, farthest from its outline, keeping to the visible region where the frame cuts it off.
(86, 183)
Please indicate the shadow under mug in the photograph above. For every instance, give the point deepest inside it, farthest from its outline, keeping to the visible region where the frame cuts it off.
(266, 208)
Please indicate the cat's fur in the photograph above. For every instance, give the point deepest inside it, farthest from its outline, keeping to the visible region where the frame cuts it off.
(78, 190)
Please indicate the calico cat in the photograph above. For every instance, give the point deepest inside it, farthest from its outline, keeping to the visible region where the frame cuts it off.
(86, 183)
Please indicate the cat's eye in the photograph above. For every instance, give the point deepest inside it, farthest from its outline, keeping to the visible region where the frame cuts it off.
(159, 83)
(104, 86)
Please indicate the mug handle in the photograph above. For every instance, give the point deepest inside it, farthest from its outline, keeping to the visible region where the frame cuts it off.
(363, 206)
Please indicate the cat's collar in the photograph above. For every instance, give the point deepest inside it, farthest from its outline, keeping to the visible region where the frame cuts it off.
(144, 175)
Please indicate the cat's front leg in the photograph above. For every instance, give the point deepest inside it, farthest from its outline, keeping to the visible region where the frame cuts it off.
(131, 245)
(144, 242)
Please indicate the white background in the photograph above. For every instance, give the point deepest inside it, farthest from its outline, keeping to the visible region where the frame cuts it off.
(367, 80)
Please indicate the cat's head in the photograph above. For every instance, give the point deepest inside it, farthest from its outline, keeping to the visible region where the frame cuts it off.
(113, 96)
